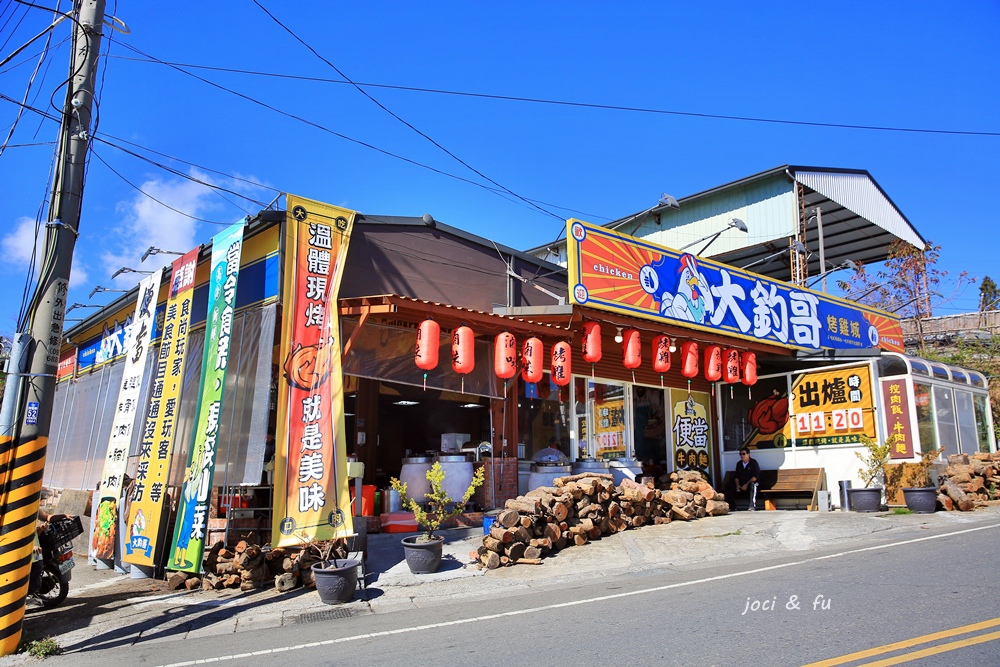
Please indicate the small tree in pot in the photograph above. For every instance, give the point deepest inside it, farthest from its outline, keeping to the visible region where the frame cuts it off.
(872, 472)
(423, 552)
(922, 499)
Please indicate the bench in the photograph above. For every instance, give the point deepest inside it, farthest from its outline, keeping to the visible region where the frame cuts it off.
(797, 483)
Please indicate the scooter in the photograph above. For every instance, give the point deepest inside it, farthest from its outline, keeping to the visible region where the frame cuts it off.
(57, 560)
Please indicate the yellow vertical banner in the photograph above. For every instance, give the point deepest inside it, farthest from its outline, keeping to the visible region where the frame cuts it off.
(149, 491)
(311, 495)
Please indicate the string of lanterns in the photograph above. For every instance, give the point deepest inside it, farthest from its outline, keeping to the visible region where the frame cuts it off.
(730, 366)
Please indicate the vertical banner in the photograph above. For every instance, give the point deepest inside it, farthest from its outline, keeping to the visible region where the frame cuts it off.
(311, 491)
(196, 492)
(116, 459)
(157, 441)
(896, 408)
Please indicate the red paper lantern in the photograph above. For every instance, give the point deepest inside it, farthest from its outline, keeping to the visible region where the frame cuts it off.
(631, 349)
(531, 360)
(661, 353)
(561, 364)
(505, 355)
(731, 366)
(428, 342)
(689, 359)
(463, 350)
(591, 342)
(713, 363)
(749, 363)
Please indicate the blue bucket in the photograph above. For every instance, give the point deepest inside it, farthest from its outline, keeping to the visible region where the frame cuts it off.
(488, 520)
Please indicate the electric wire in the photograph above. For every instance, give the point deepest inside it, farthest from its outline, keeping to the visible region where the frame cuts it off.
(320, 127)
(400, 119)
(583, 105)
(27, 90)
(143, 192)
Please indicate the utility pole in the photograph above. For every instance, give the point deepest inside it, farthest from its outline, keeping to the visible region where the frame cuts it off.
(28, 396)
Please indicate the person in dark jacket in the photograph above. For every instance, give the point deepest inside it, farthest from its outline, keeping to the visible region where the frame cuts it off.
(747, 476)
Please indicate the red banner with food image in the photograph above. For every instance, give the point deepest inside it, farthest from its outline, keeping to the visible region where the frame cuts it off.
(312, 499)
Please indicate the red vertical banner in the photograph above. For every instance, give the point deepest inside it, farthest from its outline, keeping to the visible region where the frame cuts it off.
(896, 408)
(311, 497)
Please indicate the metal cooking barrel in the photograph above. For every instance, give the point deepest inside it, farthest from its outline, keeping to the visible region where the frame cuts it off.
(623, 468)
(544, 475)
(458, 471)
(589, 466)
(414, 475)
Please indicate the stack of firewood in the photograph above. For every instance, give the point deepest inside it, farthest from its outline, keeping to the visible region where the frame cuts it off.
(580, 508)
(970, 481)
(247, 566)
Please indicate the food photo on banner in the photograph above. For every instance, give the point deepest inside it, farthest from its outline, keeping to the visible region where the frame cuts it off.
(190, 531)
(136, 349)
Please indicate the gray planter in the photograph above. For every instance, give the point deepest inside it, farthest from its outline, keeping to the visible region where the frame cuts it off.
(423, 556)
(336, 580)
(866, 500)
(922, 500)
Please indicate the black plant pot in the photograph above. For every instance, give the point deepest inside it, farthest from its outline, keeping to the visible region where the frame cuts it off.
(866, 500)
(336, 580)
(921, 500)
(423, 556)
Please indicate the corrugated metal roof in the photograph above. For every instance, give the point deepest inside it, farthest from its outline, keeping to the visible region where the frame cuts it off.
(858, 192)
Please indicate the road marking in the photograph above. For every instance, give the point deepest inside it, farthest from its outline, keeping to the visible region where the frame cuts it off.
(909, 643)
(574, 603)
(934, 650)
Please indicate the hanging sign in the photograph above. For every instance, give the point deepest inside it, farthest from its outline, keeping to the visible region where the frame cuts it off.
(311, 496)
(622, 274)
(196, 493)
(896, 408)
(692, 431)
(833, 407)
(115, 460)
(158, 432)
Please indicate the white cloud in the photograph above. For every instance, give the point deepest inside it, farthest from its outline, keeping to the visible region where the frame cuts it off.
(18, 245)
(149, 223)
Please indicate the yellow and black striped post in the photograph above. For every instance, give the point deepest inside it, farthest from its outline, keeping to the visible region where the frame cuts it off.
(29, 392)
(21, 473)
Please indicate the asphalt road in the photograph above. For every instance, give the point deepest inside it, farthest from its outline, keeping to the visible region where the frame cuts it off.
(797, 609)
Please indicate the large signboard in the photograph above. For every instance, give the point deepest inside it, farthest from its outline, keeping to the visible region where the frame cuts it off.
(192, 509)
(149, 491)
(116, 458)
(311, 492)
(614, 272)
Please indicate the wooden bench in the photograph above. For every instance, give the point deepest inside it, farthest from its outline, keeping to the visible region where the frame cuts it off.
(799, 483)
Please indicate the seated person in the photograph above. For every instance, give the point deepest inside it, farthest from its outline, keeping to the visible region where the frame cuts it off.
(747, 476)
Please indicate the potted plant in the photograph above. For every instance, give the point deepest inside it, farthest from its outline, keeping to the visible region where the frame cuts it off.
(873, 460)
(335, 576)
(922, 499)
(423, 551)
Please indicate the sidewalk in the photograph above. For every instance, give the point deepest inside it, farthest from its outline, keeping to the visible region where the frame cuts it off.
(107, 610)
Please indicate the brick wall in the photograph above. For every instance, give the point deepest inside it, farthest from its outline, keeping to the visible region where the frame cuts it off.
(500, 475)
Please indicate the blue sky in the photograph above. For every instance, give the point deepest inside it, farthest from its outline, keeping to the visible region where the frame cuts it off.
(895, 64)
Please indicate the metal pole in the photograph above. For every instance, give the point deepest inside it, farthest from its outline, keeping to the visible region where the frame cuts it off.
(22, 451)
(822, 249)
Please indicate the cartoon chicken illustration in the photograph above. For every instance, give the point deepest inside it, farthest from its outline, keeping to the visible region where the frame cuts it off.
(693, 300)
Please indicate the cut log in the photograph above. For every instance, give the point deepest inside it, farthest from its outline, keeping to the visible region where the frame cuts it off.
(241, 546)
(523, 505)
(522, 535)
(493, 544)
(505, 535)
(560, 511)
(680, 513)
(962, 501)
(285, 582)
(176, 580)
(491, 560)
(530, 561)
(563, 481)
(515, 550)
(212, 557)
(532, 552)
(716, 508)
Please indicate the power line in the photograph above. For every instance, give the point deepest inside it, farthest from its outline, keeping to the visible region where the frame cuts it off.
(400, 119)
(584, 105)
